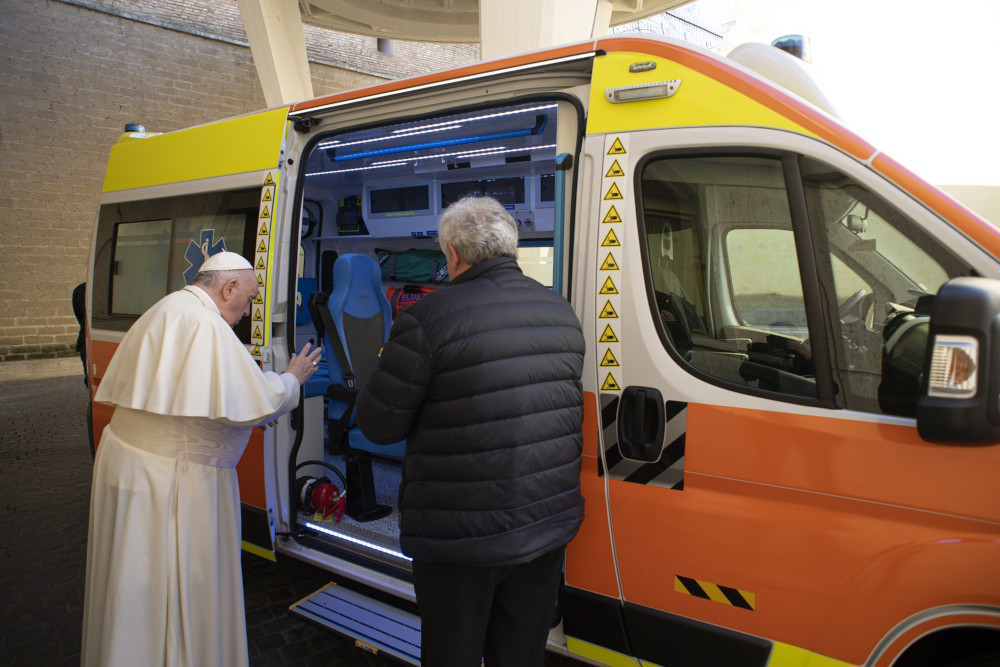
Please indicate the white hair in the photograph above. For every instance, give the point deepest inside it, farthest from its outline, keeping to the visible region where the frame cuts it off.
(479, 228)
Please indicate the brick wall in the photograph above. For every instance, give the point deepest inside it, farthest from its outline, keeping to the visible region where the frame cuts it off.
(71, 75)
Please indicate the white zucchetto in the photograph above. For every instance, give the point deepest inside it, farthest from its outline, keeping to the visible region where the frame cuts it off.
(225, 261)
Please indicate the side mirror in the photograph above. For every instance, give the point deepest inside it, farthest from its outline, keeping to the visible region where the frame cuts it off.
(960, 395)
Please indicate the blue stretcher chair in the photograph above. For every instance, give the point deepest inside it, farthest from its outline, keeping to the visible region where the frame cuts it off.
(354, 323)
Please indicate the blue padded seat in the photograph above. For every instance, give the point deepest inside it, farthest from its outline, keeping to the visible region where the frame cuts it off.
(361, 317)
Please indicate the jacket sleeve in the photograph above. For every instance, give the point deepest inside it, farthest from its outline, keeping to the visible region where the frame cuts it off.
(390, 401)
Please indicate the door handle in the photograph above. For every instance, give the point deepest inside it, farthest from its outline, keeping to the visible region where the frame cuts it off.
(641, 423)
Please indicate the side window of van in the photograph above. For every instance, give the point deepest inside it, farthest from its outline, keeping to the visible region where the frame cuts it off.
(723, 269)
(149, 248)
(726, 287)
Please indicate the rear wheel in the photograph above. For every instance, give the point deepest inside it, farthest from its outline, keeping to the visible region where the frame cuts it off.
(958, 647)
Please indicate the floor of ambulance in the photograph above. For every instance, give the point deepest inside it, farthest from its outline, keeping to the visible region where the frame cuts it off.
(380, 535)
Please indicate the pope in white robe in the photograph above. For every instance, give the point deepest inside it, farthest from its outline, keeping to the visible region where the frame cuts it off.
(164, 581)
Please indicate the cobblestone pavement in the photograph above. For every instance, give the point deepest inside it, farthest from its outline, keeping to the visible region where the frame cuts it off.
(45, 467)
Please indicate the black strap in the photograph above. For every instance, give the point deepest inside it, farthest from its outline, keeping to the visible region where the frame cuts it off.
(318, 301)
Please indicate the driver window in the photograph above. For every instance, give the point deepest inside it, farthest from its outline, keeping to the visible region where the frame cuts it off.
(884, 271)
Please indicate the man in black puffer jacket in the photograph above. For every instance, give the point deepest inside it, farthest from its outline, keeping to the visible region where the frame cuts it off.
(482, 378)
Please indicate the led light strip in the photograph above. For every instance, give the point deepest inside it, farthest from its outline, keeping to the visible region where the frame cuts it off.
(499, 150)
(354, 540)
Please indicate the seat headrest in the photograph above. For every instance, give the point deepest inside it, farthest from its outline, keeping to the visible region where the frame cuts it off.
(357, 286)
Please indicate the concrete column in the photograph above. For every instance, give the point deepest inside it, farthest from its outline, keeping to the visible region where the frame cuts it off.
(274, 28)
(507, 27)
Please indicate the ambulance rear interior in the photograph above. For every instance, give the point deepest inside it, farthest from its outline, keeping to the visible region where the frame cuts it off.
(381, 189)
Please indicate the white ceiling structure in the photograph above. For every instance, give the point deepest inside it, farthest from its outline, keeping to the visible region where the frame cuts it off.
(447, 20)
(501, 27)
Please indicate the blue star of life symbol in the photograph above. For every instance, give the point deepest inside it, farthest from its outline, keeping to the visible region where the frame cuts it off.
(197, 253)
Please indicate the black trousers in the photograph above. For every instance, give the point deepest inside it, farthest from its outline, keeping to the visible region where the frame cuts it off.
(500, 615)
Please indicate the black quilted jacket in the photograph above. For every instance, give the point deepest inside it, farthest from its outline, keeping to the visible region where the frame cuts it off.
(482, 378)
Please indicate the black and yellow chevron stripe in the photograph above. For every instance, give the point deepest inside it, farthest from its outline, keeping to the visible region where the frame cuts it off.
(709, 591)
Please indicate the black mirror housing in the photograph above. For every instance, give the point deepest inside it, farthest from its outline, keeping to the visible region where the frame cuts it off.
(963, 341)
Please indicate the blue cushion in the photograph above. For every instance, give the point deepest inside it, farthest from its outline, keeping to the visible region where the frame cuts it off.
(359, 441)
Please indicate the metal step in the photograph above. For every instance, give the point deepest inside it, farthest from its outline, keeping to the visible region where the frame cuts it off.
(374, 626)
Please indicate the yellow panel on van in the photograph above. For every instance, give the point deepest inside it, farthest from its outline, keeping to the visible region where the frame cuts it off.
(701, 99)
(239, 145)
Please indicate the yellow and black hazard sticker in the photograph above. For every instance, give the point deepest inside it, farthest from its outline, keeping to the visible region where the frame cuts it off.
(614, 192)
(727, 595)
(610, 263)
(262, 263)
(608, 311)
(611, 240)
(611, 216)
(615, 170)
(610, 276)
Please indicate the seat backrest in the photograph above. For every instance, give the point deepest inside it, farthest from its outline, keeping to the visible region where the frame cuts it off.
(360, 316)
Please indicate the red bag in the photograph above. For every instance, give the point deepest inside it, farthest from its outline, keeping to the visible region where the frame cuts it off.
(401, 298)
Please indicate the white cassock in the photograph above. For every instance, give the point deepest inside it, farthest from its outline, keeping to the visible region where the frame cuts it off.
(164, 584)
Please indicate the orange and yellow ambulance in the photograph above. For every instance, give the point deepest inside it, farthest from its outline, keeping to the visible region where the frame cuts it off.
(792, 381)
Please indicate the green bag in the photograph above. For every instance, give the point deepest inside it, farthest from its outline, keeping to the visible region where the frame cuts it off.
(413, 266)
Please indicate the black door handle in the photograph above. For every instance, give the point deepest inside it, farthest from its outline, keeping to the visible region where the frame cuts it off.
(641, 423)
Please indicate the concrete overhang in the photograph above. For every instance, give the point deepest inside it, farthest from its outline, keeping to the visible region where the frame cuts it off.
(436, 20)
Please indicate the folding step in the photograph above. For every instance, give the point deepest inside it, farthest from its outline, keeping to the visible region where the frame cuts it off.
(374, 626)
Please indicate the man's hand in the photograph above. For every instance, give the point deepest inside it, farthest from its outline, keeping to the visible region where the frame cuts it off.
(303, 364)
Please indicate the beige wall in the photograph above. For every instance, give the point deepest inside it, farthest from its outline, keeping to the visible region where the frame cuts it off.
(71, 76)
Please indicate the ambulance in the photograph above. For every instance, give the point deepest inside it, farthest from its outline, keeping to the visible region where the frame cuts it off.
(792, 378)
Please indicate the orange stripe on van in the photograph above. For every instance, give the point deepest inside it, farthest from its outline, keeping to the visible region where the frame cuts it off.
(865, 460)
(589, 562)
(250, 471)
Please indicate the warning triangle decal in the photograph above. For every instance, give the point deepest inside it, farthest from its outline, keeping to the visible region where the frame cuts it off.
(270, 179)
(267, 194)
(616, 148)
(257, 317)
(612, 216)
(263, 230)
(266, 213)
(610, 384)
(260, 280)
(609, 335)
(262, 247)
(258, 299)
(608, 312)
(611, 240)
(256, 351)
(609, 359)
(608, 287)
(260, 264)
(615, 171)
(613, 193)
(609, 263)
(257, 334)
